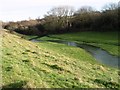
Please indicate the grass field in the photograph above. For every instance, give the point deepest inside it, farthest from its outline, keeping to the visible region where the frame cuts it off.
(52, 65)
(105, 40)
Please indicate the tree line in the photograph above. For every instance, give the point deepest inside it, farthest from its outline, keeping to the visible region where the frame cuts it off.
(65, 19)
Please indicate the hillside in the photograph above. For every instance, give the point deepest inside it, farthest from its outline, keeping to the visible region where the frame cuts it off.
(51, 65)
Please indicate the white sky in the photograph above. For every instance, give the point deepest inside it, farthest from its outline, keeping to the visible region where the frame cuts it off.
(14, 10)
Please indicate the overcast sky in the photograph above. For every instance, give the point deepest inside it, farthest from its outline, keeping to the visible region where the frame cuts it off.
(15, 10)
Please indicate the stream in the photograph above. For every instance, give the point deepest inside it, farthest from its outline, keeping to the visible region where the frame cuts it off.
(99, 54)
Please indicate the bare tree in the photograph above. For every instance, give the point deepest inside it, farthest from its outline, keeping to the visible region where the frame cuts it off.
(84, 17)
(85, 9)
(61, 11)
(110, 6)
(59, 17)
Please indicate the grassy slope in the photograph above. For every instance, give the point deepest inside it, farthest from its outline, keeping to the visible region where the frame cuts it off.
(105, 40)
(28, 64)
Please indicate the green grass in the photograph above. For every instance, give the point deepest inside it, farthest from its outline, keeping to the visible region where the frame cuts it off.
(52, 65)
(97, 37)
(112, 49)
(104, 40)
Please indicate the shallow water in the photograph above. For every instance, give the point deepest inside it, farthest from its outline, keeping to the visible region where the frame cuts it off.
(99, 54)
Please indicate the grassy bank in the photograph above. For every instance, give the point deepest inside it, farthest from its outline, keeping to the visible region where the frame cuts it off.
(106, 40)
(52, 65)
